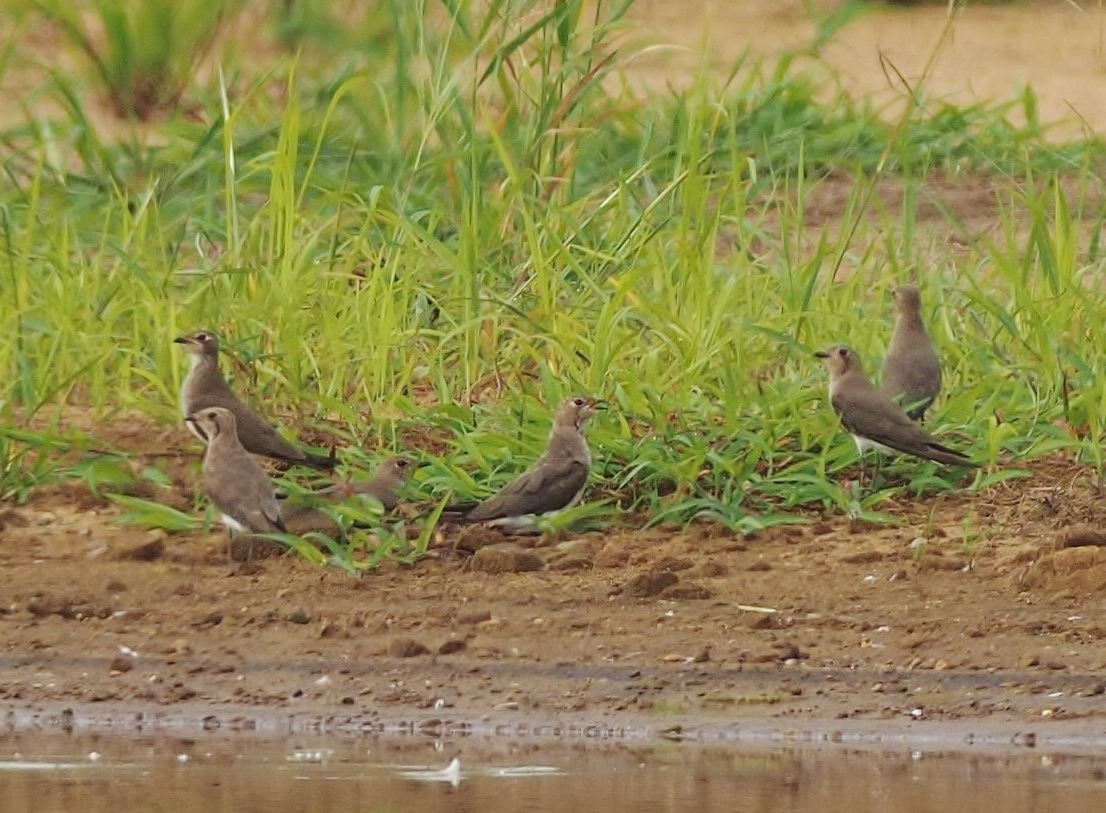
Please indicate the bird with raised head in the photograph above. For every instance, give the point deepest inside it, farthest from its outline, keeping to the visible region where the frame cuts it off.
(911, 368)
(872, 418)
(204, 386)
(233, 480)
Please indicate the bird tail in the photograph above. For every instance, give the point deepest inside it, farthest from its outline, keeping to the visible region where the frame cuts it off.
(457, 512)
(320, 462)
(950, 457)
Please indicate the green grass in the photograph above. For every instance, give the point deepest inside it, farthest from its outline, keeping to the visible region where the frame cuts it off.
(448, 228)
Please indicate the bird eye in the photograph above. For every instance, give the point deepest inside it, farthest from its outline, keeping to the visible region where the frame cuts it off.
(842, 352)
(203, 337)
(402, 463)
(579, 402)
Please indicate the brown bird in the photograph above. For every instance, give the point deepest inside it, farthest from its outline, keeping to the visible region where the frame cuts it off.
(204, 387)
(304, 513)
(911, 370)
(233, 480)
(555, 481)
(385, 485)
(872, 418)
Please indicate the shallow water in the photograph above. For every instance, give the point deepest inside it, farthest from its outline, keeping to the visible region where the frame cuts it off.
(52, 771)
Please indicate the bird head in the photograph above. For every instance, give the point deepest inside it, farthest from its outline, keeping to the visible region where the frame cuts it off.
(212, 422)
(907, 299)
(398, 468)
(203, 343)
(839, 360)
(576, 410)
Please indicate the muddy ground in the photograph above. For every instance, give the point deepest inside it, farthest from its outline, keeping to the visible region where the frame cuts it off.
(980, 609)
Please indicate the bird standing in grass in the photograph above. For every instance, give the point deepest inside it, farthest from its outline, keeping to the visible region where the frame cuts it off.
(911, 370)
(204, 387)
(872, 418)
(233, 480)
(555, 481)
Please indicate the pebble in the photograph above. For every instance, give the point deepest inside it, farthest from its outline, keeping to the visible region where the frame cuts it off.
(709, 569)
(572, 562)
(505, 558)
(613, 555)
(148, 550)
(645, 585)
(474, 617)
(299, 616)
(406, 648)
(686, 591)
(121, 664)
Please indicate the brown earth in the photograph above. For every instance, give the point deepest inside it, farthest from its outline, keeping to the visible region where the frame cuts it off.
(983, 609)
(993, 51)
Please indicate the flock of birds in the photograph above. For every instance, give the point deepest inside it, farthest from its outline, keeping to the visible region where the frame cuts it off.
(887, 418)
(244, 495)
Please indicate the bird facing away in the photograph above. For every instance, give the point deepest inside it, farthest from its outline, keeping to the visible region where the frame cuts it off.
(911, 370)
(872, 418)
(233, 480)
(385, 485)
(204, 387)
(556, 480)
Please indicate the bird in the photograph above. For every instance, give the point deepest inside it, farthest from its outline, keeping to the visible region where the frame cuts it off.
(911, 369)
(385, 484)
(872, 418)
(234, 481)
(307, 512)
(204, 386)
(554, 482)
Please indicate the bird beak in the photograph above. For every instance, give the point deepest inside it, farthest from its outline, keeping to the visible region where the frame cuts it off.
(192, 422)
(822, 354)
(183, 340)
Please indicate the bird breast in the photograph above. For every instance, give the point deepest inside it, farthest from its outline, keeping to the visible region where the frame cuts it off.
(188, 386)
(571, 445)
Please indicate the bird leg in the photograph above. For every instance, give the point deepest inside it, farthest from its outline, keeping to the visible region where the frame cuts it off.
(860, 477)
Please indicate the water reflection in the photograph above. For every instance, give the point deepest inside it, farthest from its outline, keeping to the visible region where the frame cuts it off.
(220, 772)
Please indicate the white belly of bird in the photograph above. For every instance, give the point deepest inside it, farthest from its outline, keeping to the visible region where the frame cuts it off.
(525, 523)
(864, 444)
(233, 524)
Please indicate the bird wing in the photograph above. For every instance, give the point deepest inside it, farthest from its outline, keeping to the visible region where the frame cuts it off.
(382, 488)
(867, 414)
(550, 485)
(241, 490)
(912, 378)
(260, 437)
(270, 509)
(209, 389)
(256, 434)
